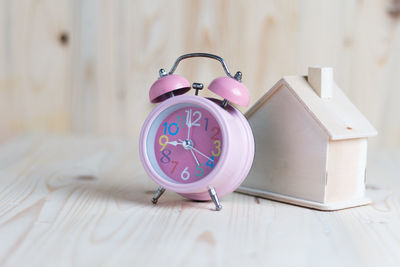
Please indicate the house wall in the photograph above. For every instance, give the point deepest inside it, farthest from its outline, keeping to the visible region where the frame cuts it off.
(346, 169)
(291, 149)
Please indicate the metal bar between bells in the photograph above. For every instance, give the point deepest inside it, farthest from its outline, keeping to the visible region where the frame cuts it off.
(190, 55)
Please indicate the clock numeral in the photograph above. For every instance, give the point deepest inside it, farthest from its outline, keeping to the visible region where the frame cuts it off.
(168, 127)
(176, 164)
(165, 158)
(185, 175)
(210, 162)
(189, 117)
(206, 126)
(163, 144)
(194, 123)
(199, 168)
(217, 132)
(217, 144)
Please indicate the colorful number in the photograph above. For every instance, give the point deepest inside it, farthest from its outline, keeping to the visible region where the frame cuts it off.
(163, 145)
(165, 127)
(194, 123)
(206, 126)
(168, 127)
(165, 159)
(217, 144)
(217, 132)
(198, 167)
(183, 120)
(210, 162)
(185, 175)
(173, 168)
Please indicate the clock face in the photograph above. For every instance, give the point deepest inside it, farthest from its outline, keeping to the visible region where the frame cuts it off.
(187, 144)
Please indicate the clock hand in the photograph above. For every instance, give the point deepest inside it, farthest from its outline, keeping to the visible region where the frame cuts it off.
(202, 154)
(174, 143)
(197, 161)
(196, 150)
(189, 122)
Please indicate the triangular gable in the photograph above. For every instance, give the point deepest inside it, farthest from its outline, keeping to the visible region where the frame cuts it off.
(337, 115)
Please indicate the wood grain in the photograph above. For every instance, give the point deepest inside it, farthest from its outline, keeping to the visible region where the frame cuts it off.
(86, 66)
(85, 201)
(35, 66)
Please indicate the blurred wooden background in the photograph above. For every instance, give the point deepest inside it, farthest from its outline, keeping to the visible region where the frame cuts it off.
(86, 66)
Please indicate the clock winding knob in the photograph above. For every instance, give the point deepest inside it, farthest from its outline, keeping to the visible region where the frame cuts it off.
(197, 87)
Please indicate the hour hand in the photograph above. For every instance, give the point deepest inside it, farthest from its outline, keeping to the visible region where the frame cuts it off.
(174, 143)
(195, 158)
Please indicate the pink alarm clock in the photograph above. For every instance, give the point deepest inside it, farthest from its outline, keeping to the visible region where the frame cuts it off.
(201, 148)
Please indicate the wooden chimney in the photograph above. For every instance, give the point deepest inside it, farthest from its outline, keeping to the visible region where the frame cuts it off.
(321, 80)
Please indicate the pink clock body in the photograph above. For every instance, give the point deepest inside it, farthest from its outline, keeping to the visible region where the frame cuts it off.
(216, 152)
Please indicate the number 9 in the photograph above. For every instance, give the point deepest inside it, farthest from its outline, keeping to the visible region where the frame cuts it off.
(161, 143)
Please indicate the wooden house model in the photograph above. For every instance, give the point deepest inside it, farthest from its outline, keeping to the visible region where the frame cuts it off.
(311, 144)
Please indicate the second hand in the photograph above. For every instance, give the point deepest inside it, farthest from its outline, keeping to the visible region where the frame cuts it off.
(202, 154)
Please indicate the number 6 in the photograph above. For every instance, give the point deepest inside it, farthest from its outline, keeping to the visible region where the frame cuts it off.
(185, 175)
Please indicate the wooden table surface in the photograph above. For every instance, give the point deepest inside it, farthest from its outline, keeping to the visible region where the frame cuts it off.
(85, 201)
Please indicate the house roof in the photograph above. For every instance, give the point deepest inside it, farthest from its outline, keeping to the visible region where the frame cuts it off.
(337, 115)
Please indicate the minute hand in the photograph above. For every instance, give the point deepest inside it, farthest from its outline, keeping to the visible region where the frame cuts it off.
(202, 154)
(189, 122)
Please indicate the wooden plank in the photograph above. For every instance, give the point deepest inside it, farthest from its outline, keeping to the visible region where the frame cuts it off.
(98, 83)
(68, 200)
(35, 66)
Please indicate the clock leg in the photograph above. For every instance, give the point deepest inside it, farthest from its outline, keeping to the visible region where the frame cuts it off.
(214, 198)
(158, 194)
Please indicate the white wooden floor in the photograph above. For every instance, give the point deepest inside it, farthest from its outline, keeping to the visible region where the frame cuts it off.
(85, 201)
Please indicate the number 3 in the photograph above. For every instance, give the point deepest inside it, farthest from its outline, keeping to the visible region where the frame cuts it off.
(217, 144)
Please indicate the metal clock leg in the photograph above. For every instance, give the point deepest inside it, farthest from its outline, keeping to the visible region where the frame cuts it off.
(214, 197)
(158, 194)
